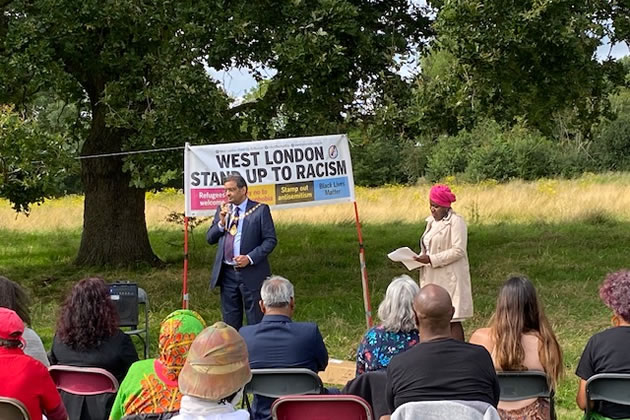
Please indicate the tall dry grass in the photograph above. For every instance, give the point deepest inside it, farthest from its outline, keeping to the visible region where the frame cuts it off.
(597, 197)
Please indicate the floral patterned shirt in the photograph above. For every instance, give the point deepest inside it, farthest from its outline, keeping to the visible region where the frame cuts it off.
(378, 346)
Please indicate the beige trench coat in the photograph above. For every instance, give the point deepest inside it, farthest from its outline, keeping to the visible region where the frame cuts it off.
(446, 246)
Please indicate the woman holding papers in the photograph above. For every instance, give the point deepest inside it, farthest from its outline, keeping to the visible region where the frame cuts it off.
(443, 253)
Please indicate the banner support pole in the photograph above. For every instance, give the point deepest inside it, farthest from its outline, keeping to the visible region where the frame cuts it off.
(364, 277)
(185, 280)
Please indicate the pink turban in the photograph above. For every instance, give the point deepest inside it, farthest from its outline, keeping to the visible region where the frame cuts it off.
(441, 195)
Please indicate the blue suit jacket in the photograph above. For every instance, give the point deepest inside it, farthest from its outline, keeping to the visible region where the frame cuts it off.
(277, 342)
(258, 239)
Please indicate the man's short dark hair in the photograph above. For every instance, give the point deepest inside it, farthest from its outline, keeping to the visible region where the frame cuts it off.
(238, 180)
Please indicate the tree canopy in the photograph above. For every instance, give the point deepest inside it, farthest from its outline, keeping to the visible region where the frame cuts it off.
(524, 59)
(137, 74)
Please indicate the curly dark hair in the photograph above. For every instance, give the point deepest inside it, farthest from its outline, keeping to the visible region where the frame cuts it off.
(87, 316)
(14, 297)
(615, 293)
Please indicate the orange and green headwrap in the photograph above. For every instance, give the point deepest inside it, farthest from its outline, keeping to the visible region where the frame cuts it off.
(177, 332)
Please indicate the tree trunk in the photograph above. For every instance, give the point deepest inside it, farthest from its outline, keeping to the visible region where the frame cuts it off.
(114, 225)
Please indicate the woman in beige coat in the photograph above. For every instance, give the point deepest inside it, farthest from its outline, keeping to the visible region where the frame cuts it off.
(443, 250)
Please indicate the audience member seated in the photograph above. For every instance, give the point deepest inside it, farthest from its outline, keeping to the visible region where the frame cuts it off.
(151, 385)
(14, 297)
(397, 331)
(277, 342)
(607, 351)
(88, 334)
(24, 378)
(440, 367)
(519, 337)
(214, 375)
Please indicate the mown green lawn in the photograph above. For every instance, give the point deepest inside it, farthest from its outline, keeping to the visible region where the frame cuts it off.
(566, 262)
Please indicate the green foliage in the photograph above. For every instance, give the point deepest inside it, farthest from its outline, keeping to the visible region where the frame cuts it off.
(518, 153)
(415, 158)
(34, 162)
(451, 154)
(444, 98)
(378, 147)
(612, 144)
(524, 60)
(142, 68)
(376, 159)
(489, 151)
(139, 72)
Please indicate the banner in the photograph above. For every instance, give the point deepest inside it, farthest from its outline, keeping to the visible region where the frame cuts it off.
(282, 173)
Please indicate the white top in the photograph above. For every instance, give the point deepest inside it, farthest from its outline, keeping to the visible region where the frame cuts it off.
(34, 346)
(193, 408)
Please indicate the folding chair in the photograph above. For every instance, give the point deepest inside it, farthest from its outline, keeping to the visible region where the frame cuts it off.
(83, 380)
(610, 387)
(522, 385)
(440, 410)
(321, 407)
(12, 409)
(87, 393)
(143, 299)
(274, 383)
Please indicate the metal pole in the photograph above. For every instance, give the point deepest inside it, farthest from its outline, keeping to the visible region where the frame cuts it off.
(185, 281)
(364, 277)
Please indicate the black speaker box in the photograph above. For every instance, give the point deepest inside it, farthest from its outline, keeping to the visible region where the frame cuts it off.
(125, 299)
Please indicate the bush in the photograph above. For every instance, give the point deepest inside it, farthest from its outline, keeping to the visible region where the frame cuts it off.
(611, 145)
(490, 152)
(491, 160)
(415, 155)
(376, 160)
(518, 153)
(451, 154)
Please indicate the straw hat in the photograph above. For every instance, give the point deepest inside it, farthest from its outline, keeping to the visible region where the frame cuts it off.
(217, 365)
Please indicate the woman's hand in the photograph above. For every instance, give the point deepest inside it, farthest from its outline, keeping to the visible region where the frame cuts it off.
(424, 259)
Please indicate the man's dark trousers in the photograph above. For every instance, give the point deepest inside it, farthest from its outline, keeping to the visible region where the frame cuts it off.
(258, 239)
(235, 295)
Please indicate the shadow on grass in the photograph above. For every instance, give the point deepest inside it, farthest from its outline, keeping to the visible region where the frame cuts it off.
(566, 262)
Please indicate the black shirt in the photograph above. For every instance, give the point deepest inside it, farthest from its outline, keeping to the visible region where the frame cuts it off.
(114, 355)
(607, 352)
(445, 369)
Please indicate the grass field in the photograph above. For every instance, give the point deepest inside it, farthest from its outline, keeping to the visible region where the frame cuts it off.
(565, 237)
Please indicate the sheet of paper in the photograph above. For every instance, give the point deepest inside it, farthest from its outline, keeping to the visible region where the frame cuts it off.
(406, 256)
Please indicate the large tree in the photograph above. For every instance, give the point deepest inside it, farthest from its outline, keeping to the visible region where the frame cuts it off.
(525, 60)
(136, 70)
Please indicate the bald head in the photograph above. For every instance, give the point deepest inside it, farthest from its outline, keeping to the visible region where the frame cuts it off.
(434, 308)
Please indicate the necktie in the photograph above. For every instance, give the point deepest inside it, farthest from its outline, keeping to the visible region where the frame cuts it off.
(228, 243)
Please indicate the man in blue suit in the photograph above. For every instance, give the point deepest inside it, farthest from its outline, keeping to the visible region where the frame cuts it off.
(245, 235)
(277, 342)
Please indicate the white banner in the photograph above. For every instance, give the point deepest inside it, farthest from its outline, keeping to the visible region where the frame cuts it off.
(283, 173)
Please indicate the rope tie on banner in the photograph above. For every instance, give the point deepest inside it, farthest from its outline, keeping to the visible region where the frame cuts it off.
(131, 152)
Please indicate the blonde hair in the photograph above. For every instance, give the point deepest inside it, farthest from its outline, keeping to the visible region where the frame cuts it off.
(518, 312)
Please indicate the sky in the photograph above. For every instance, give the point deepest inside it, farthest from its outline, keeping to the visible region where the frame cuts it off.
(237, 82)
